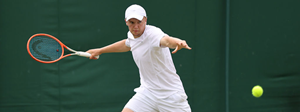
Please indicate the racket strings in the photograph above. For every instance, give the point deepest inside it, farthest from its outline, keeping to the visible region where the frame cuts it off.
(45, 48)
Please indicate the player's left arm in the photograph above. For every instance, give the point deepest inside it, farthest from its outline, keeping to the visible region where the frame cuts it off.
(174, 43)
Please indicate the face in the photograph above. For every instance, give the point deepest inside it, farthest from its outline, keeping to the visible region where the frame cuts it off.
(136, 27)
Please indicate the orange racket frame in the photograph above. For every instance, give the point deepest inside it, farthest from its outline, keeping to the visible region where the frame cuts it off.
(84, 54)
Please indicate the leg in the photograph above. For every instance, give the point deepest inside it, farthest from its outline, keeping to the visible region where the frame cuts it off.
(127, 110)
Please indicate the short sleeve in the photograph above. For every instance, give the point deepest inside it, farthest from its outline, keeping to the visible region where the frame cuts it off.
(127, 43)
(157, 35)
(129, 36)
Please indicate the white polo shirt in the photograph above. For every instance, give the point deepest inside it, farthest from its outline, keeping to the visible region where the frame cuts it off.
(157, 71)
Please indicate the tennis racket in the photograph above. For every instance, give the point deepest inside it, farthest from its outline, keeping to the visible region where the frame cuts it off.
(46, 48)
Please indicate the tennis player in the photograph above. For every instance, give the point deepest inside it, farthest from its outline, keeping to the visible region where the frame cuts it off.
(161, 89)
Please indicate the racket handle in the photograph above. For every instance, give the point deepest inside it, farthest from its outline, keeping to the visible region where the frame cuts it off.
(85, 54)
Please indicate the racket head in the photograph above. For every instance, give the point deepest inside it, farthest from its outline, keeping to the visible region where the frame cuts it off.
(45, 48)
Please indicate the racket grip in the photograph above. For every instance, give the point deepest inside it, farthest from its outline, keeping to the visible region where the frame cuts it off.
(85, 54)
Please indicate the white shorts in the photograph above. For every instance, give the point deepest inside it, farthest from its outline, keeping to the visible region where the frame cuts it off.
(148, 103)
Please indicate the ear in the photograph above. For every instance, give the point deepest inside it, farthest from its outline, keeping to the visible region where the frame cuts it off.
(126, 22)
(145, 19)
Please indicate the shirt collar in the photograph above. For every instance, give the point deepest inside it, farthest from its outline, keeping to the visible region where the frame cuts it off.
(141, 38)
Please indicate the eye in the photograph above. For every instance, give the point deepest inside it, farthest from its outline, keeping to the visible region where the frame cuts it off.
(131, 22)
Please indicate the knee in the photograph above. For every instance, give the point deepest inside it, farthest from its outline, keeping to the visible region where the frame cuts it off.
(127, 110)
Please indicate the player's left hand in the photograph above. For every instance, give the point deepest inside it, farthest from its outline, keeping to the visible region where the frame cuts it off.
(181, 44)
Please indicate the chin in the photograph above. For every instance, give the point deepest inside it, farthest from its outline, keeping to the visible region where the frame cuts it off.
(135, 34)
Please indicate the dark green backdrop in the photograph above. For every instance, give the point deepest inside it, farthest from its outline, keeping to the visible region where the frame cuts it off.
(237, 44)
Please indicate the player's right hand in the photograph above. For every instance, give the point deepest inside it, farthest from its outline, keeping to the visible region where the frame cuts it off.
(94, 53)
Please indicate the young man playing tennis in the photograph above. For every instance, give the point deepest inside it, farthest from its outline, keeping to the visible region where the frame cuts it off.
(161, 89)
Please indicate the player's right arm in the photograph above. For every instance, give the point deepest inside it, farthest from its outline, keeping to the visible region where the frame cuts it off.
(119, 46)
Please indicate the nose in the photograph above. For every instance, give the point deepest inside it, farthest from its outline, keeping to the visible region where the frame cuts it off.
(135, 26)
